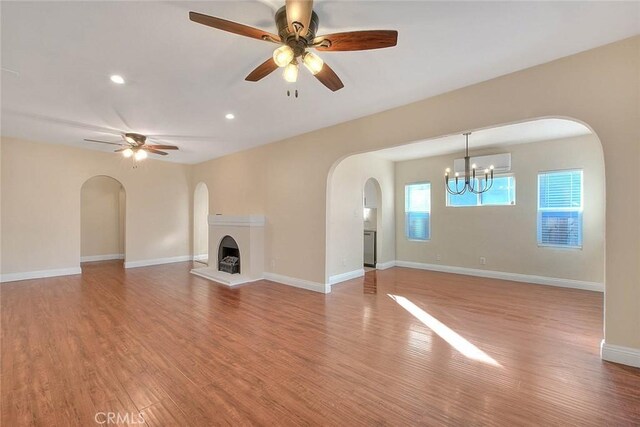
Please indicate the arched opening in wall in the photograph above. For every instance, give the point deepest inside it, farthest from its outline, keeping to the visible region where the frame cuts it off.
(200, 223)
(371, 212)
(542, 221)
(360, 214)
(102, 220)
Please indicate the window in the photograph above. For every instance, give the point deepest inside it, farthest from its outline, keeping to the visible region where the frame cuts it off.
(417, 211)
(560, 208)
(502, 192)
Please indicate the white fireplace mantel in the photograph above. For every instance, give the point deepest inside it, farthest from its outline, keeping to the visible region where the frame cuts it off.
(237, 220)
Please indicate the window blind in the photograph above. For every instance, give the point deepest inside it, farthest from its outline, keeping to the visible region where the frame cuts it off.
(417, 208)
(560, 205)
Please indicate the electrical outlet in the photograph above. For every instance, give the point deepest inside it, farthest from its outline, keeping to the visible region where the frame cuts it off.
(273, 264)
(438, 257)
(483, 260)
(344, 262)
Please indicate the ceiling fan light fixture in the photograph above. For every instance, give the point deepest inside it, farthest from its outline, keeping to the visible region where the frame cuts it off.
(127, 153)
(313, 62)
(283, 56)
(117, 79)
(141, 155)
(291, 72)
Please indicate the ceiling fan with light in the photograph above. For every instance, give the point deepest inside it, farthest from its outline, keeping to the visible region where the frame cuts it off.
(297, 25)
(135, 145)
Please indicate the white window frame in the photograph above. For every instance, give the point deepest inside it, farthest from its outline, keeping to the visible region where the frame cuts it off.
(405, 211)
(539, 210)
(479, 197)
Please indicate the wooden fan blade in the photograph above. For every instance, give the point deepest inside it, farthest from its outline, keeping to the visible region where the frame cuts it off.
(120, 150)
(357, 40)
(104, 142)
(151, 150)
(233, 27)
(161, 147)
(299, 11)
(262, 70)
(329, 78)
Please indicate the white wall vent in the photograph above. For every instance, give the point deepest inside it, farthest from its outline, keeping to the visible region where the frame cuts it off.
(501, 163)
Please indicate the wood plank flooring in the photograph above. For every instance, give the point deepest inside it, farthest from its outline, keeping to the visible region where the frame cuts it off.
(398, 347)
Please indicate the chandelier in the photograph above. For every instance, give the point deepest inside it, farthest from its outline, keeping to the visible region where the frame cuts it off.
(470, 182)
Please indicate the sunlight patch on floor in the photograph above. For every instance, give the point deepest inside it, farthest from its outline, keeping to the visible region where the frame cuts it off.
(453, 338)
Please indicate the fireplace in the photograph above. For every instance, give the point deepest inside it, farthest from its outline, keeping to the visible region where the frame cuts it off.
(237, 236)
(229, 256)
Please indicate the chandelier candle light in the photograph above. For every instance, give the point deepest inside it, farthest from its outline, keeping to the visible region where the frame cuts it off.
(470, 182)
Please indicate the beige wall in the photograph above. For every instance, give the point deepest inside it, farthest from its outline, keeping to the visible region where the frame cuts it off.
(101, 219)
(288, 179)
(506, 235)
(345, 216)
(41, 205)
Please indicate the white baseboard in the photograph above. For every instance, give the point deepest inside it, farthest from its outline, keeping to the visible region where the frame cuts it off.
(298, 283)
(92, 258)
(202, 257)
(515, 277)
(343, 277)
(157, 261)
(619, 354)
(14, 277)
(385, 265)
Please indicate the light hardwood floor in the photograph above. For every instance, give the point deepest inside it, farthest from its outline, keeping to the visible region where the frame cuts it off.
(400, 347)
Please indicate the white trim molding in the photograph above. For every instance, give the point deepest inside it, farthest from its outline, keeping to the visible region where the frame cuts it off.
(201, 257)
(619, 354)
(298, 283)
(343, 277)
(237, 220)
(385, 265)
(26, 275)
(502, 275)
(92, 258)
(157, 261)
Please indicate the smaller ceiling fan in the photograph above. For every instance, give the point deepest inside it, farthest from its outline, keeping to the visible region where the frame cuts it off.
(297, 24)
(135, 145)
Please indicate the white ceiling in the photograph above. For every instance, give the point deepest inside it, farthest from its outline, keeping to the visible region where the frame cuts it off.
(519, 133)
(182, 77)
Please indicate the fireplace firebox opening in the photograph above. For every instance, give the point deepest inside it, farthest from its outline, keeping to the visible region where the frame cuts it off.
(229, 256)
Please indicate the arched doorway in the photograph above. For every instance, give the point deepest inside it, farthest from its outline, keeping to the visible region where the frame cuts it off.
(102, 219)
(360, 197)
(467, 236)
(372, 211)
(200, 224)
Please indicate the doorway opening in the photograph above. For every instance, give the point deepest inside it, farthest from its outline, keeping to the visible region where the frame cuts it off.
(200, 224)
(102, 219)
(371, 211)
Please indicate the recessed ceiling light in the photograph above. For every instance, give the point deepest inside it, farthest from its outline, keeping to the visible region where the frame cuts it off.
(117, 79)
(230, 116)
